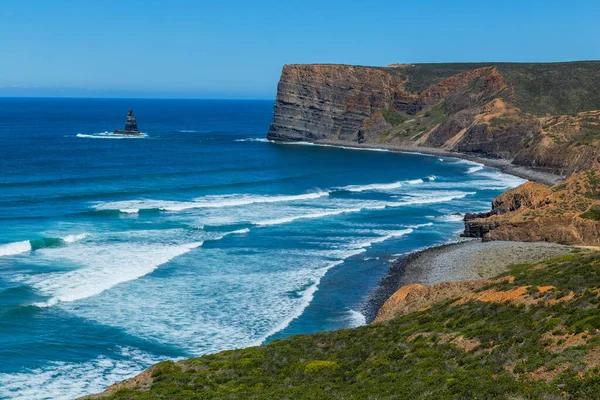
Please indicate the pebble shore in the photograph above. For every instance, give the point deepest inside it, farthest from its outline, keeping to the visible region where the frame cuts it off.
(465, 260)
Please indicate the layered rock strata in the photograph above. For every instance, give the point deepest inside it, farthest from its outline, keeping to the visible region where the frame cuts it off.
(509, 111)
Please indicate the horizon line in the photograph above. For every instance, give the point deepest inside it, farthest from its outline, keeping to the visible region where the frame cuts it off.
(136, 98)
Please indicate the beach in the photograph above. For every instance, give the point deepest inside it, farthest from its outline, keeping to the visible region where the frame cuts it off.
(461, 261)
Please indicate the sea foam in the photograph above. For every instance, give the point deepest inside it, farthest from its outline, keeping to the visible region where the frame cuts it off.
(110, 135)
(69, 380)
(235, 200)
(372, 187)
(104, 266)
(263, 140)
(11, 249)
(409, 200)
(475, 169)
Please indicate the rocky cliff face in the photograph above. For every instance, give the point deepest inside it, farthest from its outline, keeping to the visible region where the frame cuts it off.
(568, 213)
(319, 102)
(508, 111)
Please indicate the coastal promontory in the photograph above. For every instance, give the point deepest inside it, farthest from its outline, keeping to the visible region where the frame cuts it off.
(542, 116)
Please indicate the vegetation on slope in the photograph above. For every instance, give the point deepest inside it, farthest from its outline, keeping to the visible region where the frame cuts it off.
(414, 127)
(537, 88)
(541, 344)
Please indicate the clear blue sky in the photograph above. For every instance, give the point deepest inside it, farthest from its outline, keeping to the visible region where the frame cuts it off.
(235, 49)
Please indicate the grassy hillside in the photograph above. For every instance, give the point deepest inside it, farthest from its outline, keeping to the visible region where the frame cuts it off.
(537, 88)
(541, 343)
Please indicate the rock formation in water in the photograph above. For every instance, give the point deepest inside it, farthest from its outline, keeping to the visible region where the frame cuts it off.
(542, 116)
(131, 127)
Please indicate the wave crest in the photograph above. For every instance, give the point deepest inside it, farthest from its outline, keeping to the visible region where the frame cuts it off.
(135, 206)
(110, 135)
(15, 248)
(11, 249)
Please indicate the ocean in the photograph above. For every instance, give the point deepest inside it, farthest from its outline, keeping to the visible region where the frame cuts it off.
(117, 253)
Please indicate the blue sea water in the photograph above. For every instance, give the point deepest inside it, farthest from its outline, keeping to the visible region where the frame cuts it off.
(116, 253)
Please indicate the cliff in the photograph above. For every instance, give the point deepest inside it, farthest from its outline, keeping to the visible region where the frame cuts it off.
(542, 116)
(567, 213)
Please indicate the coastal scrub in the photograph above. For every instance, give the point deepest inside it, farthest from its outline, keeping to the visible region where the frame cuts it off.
(542, 344)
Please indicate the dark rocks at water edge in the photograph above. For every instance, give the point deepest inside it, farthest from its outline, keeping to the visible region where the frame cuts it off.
(476, 229)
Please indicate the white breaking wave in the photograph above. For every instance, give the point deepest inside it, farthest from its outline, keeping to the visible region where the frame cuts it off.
(307, 298)
(75, 238)
(386, 186)
(475, 169)
(15, 248)
(420, 225)
(238, 232)
(503, 180)
(432, 199)
(385, 235)
(333, 145)
(65, 381)
(356, 319)
(374, 186)
(110, 135)
(279, 221)
(451, 218)
(264, 140)
(134, 206)
(376, 206)
(12, 249)
(105, 265)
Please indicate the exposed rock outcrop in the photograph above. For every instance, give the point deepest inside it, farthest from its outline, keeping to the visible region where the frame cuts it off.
(415, 297)
(316, 102)
(567, 213)
(131, 127)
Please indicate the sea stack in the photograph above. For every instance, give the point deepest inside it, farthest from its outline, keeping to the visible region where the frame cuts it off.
(131, 127)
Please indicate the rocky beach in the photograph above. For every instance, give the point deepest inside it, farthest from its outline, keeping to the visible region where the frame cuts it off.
(466, 260)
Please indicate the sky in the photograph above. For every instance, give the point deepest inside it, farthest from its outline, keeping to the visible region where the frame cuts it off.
(236, 49)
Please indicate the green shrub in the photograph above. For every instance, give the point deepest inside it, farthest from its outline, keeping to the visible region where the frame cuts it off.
(392, 117)
(592, 213)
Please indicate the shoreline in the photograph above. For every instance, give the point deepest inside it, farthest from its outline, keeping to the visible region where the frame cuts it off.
(469, 259)
(411, 267)
(503, 165)
(415, 266)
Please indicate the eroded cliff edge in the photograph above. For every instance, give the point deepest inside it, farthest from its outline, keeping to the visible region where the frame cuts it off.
(568, 213)
(540, 116)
